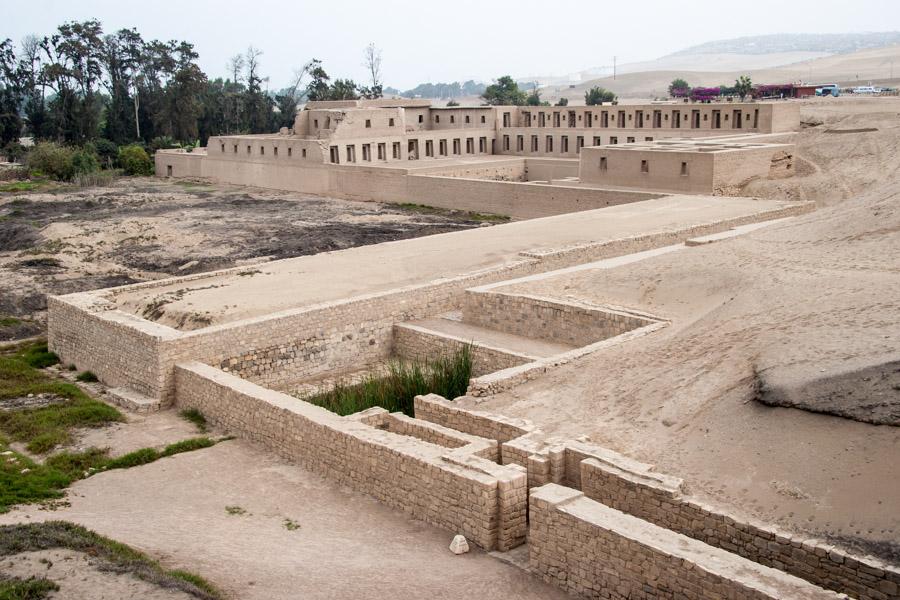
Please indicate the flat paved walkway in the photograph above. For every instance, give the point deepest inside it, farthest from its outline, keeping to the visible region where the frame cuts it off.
(307, 280)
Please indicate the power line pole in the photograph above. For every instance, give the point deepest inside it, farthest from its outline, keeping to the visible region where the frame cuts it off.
(614, 67)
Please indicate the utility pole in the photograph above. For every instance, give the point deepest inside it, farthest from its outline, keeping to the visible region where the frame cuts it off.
(614, 67)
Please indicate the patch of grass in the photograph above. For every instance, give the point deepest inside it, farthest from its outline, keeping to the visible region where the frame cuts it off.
(41, 429)
(26, 589)
(447, 375)
(21, 186)
(194, 416)
(23, 481)
(9, 321)
(424, 209)
(235, 510)
(112, 556)
(291, 525)
(86, 377)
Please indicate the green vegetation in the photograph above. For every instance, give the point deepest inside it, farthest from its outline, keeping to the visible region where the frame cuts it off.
(679, 88)
(23, 481)
(135, 161)
(598, 95)
(86, 376)
(291, 525)
(235, 510)
(743, 85)
(26, 589)
(504, 91)
(433, 210)
(9, 321)
(448, 376)
(111, 555)
(43, 428)
(21, 186)
(194, 416)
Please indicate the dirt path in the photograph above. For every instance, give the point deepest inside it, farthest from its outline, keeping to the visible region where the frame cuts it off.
(340, 544)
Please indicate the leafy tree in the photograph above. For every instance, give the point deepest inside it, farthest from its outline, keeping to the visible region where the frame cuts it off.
(743, 86)
(107, 152)
(562, 102)
(504, 92)
(598, 95)
(679, 88)
(318, 87)
(452, 102)
(534, 98)
(343, 89)
(10, 93)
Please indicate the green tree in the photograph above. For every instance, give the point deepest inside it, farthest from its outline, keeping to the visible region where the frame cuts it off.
(679, 88)
(743, 86)
(318, 86)
(534, 98)
(504, 92)
(598, 95)
(562, 102)
(10, 95)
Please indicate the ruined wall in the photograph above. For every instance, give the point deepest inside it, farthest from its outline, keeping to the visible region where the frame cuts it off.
(546, 319)
(449, 488)
(733, 169)
(444, 412)
(178, 163)
(595, 551)
(813, 560)
(124, 349)
(415, 343)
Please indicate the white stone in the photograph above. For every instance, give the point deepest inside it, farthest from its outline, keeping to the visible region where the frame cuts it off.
(459, 545)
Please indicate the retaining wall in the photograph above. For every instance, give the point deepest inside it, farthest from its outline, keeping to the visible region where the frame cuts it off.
(450, 488)
(547, 319)
(416, 343)
(596, 551)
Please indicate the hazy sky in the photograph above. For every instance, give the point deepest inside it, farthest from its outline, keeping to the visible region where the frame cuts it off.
(450, 39)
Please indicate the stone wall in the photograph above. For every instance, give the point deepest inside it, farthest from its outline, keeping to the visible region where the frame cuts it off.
(415, 343)
(813, 560)
(595, 551)
(436, 409)
(450, 488)
(519, 200)
(546, 319)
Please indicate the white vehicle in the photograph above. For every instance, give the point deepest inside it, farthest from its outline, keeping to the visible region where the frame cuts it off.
(865, 89)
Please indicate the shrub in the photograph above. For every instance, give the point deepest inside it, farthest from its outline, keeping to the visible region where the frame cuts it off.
(53, 160)
(14, 151)
(84, 161)
(86, 377)
(135, 161)
(107, 151)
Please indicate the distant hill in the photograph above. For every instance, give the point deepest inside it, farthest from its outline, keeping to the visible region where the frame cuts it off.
(830, 43)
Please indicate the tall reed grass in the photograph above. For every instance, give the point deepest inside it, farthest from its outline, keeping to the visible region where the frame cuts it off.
(447, 376)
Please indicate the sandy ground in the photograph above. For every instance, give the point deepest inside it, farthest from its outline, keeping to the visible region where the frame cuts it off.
(78, 577)
(347, 545)
(801, 302)
(307, 280)
(140, 229)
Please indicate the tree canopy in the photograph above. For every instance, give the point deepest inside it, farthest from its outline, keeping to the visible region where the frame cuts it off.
(505, 91)
(598, 95)
(679, 88)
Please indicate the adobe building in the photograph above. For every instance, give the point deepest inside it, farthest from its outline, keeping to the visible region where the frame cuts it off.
(385, 150)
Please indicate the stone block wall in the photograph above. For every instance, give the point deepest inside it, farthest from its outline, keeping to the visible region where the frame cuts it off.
(412, 342)
(547, 319)
(439, 410)
(595, 551)
(450, 488)
(661, 503)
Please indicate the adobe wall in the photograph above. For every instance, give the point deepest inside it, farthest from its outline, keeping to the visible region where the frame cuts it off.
(415, 343)
(546, 169)
(449, 488)
(623, 168)
(733, 169)
(595, 551)
(814, 560)
(178, 163)
(546, 319)
(520, 200)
